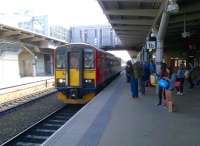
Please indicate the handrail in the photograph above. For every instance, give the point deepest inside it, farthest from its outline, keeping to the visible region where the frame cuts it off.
(11, 93)
(24, 84)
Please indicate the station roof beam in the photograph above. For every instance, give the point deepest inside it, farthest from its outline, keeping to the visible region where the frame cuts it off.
(136, 12)
(131, 19)
(25, 36)
(37, 39)
(133, 22)
(10, 33)
(131, 27)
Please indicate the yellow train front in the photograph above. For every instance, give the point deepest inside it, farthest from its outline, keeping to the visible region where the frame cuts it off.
(81, 71)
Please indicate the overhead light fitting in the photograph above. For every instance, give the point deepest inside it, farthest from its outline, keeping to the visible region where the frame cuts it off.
(172, 7)
(153, 34)
(185, 34)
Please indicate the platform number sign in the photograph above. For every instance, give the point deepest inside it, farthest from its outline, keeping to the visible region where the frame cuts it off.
(151, 45)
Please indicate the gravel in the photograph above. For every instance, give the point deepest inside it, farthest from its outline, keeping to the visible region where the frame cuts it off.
(16, 120)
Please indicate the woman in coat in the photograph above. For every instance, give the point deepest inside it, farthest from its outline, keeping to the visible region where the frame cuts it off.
(134, 83)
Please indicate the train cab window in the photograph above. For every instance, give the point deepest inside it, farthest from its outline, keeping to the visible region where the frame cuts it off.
(74, 59)
(88, 58)
(60, 58)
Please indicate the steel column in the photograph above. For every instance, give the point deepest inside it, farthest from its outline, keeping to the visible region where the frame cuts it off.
(160, 40)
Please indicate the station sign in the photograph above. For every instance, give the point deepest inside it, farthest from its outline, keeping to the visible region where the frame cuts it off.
(151, 45)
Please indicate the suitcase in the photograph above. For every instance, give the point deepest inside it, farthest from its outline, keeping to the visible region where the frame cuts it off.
(169, 103)
(171, 106)
(153, 79)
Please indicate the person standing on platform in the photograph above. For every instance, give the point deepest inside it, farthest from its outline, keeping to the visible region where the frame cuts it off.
(191, 75)
(180, 78)
(173, 78)
(165, 73)
(152, 67)
(198, 77)
(139, 76)
(134, 83)
(147, 73)
(128, 71)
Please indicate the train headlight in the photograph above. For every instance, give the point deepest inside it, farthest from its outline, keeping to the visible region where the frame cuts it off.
(88, 81)
(61, 81)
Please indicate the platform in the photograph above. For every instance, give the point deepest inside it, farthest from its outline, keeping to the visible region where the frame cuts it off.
(113, 118)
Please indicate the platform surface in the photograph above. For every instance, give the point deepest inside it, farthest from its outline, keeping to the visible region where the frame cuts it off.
(114, 118)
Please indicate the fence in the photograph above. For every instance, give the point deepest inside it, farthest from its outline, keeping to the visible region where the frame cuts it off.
(15, 92)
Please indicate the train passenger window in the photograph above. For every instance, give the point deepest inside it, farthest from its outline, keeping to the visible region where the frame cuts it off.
(60, 58)
(88, 58)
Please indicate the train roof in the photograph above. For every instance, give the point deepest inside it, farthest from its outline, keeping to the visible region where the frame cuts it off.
(86, 45)
(79, 45)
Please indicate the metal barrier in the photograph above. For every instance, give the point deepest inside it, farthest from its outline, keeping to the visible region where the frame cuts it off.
(28, 89)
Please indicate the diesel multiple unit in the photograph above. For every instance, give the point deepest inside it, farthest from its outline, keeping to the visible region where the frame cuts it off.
(81, 70)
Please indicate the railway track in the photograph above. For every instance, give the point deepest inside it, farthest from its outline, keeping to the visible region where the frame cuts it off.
(39, 132)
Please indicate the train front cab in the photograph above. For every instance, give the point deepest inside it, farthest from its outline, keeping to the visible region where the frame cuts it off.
(75, 74)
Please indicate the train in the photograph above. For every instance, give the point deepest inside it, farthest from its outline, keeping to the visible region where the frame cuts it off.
(82, 70)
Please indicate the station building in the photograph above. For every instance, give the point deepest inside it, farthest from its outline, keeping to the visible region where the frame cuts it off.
(101, 36)
(24, 53)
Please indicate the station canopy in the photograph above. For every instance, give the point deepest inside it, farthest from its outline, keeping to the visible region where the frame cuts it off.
(133, 20)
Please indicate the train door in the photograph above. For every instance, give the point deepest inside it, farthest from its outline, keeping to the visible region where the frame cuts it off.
(75, 68)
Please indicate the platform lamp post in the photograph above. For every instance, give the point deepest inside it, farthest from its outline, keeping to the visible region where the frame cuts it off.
(145, 51)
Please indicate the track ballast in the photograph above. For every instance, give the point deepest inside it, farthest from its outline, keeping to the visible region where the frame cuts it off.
(39, 132)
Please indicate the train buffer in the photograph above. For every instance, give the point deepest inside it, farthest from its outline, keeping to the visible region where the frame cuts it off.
(114, 118)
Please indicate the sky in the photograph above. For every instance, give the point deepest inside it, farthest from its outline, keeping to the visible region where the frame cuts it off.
(122, 54)
(61, 12)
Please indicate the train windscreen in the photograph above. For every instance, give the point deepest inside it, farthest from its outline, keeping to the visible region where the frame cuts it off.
(74, 60)
(89, 58)
(60, 58)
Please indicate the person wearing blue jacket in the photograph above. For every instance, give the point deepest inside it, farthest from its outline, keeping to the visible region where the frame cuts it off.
(173, 79)
(134, 82)
(152, 67)
(180, 78)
